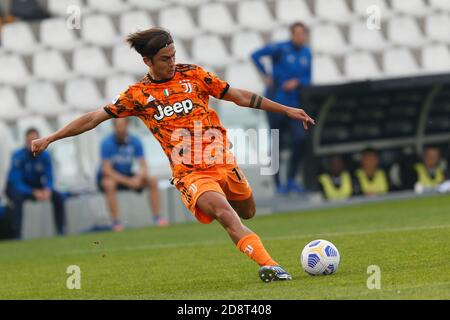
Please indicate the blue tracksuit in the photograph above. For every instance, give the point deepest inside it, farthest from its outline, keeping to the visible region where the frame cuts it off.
(121, 155)
(288, 62)
(28, 173)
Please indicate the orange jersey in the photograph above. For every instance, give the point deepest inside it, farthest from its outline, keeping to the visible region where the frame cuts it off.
(177, 112)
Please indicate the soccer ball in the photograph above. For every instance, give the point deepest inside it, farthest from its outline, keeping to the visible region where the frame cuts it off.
(320, 257)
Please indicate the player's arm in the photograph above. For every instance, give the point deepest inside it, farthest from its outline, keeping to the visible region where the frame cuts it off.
(82, 124)
(248, 99)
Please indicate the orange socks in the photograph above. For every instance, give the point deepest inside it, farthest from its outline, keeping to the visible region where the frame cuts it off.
(252, 246)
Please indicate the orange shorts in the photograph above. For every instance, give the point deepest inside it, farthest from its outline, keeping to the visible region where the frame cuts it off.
(227, 180)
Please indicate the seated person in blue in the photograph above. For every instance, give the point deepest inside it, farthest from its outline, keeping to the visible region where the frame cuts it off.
(31, 178)
(118, 153)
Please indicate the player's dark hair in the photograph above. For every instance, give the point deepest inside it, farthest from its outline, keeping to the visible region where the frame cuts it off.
(30, 131)
(148, 42)
(298, 24)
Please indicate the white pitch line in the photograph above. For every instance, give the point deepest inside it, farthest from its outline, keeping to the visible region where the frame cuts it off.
(212, 243)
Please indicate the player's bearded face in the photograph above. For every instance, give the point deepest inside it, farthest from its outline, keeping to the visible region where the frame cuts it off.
(162, 65)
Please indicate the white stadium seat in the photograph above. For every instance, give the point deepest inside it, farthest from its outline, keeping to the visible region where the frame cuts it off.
(154, 156)
(366, 39)
(133, 21)
(216, 54)
(7, 147)
(243, 44)
(244, 75)
(233, 116)
(99, 30)
(10, 107)
(50, 65)
(360, 7)
(179, 21)
(181, 55)
(361, 66)
(405, 31)
(436, 59)
(335, 11)
(18, 38)
(190, 3)
(152, 5)
(410, 7)
(111, 7)
(440, 4)
(117, 84)
(83, 94)
(280, 34)
(290, 11)
(91, 62)
(13, 70)
(55, 34)
(67, 157)
(42, 98)
(435, 26)
(61, 7)
(126, 59)
(222, 23)
(399, 63)
(37, 122)
(328, 39)
(325, 71)
(255, 15)
(87, 147)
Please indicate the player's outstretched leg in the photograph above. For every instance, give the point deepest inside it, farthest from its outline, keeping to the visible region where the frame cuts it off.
(248, 242)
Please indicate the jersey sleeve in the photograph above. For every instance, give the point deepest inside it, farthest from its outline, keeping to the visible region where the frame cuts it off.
(126, 104)
(212, 84)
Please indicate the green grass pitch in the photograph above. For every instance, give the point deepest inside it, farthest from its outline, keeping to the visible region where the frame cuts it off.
(409, 240)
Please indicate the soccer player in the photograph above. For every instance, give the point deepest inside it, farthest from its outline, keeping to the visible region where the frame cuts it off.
(172, 101)
(119, 151)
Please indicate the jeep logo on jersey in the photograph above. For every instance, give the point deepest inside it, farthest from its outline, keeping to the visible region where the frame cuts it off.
(185, 107)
